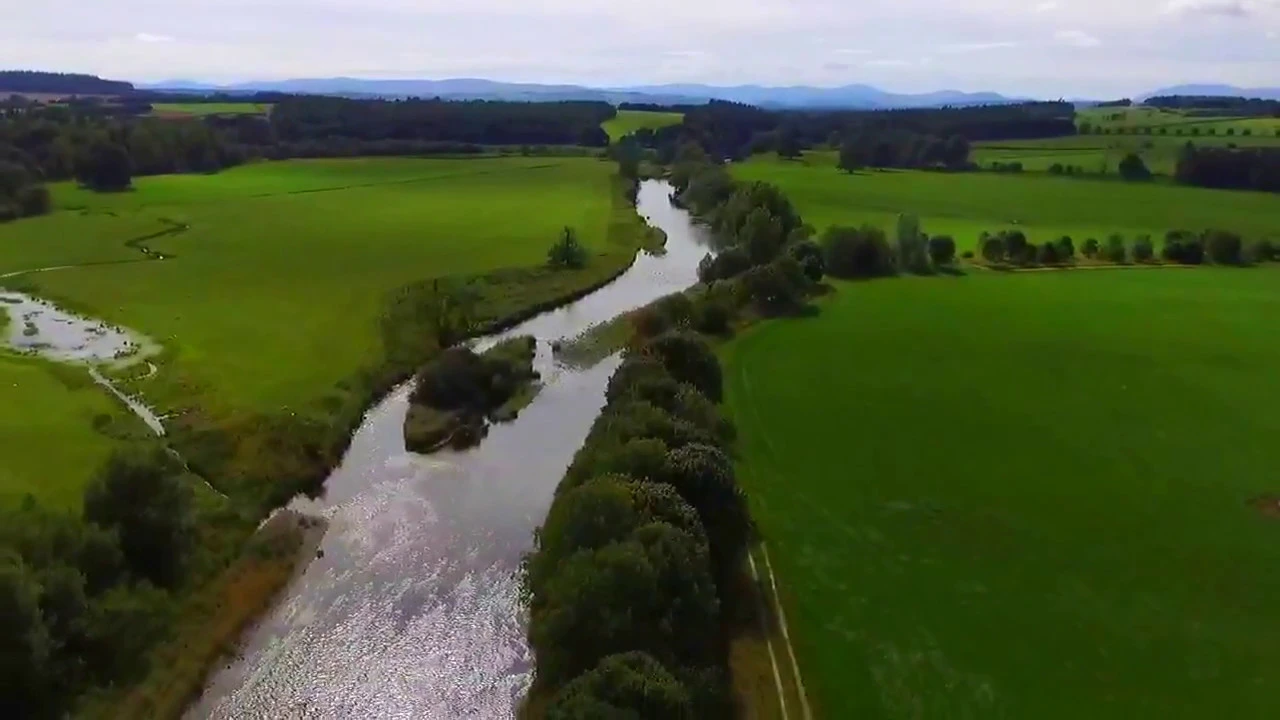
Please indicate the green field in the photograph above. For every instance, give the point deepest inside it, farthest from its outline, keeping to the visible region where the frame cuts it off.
(272, 300)
(48, 446)
(1023, 496)
(1099, 154)
(629, 121)
(1043, 206)
(202, 109)
(1140, 118)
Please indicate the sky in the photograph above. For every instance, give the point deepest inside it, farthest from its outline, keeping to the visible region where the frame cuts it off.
(1038, 48)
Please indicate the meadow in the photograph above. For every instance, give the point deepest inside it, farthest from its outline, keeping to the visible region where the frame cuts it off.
(1140, 118)
(1043, 206)
(203, 109)
(1101, 154)
(629, 121)
(272, 302)
(1023, 495)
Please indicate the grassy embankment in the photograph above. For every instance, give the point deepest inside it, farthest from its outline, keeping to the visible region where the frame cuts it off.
(292, 298)
(629, 121)
(1044, 207)
(1023, 496)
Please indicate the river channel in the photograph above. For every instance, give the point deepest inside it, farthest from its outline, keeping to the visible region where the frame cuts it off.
(412, 608)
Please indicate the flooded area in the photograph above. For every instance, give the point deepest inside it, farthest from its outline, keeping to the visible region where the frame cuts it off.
(412, 609)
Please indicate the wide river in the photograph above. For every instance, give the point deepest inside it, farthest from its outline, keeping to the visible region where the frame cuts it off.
(413, 609)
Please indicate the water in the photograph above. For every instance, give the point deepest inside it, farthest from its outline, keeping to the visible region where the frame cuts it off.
(413, 611)
(41, 328)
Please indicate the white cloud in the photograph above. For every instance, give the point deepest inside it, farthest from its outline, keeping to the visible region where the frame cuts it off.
(852, 51)
(888, 63)
(961, 48)
(151, 38)
(1223, 8)
(1077, 38)
(1046, 7)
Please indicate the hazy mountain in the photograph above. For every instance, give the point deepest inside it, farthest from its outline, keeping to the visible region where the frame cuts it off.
(848, 96)
(1217, 90)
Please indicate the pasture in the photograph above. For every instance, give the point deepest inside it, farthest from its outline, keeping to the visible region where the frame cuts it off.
(1139, 119)
(272, 301)
(1034, 495)
(1101, 154)
(215, 108)
(1044, 207)
(49, 448)
(627, 122)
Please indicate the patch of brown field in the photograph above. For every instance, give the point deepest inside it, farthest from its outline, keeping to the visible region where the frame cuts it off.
(212, 621)
(1268, 505)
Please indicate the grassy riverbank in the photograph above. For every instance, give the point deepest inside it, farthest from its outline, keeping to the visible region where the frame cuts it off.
(985, 495)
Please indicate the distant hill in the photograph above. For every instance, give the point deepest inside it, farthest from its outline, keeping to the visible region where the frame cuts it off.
(849, 96)
(1213, 90)
(46, 83)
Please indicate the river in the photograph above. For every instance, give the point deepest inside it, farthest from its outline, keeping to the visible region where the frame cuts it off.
(412, 610)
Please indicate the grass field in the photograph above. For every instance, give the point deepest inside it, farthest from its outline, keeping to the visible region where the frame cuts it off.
(1043, 206)
(202, 109)
(271, 300)
(1096, 154)
(629, 121)
(49, 448)
(1023, 496)
(1139, 118)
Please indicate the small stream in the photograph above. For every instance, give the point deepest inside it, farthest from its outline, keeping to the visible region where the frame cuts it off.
(412, 608)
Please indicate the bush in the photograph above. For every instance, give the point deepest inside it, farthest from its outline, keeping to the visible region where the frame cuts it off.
(942, 250)
(1066, 247)
(777, 287)
(992, 247)
(34, 200)
(1115, 251)
(567, 252)
(967, 254)
(633, 685)
(1133, 169)
(1143, 249)
(1264, 251)
(703, 475)
(1047, 254)
(809, 255)
(1183, 247)
(1091, 248)
(729, 264)
(1223, 247)
(1057, 169)
(688, 359)
(857, 252)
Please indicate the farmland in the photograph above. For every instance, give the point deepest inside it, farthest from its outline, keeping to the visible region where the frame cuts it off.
(1140, 118)
(1023, 496)
(1044, 207)
(273, 266)
(203, 109)
(629, 121)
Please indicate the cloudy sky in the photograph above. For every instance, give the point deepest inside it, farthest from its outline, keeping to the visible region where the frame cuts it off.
(1047, 48)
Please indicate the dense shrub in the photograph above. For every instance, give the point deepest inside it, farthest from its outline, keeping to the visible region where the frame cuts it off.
(1066, 247)
(728, 264)
(632, 685)
(1143, 249)
(689, 359)
(567, 252)
(1132, 168)
(1223, 247)
(703, 475)
(1092, 248)
(809, 255)
(1264, 251)
(857, 252)
(1183, 247)
(942, 250)
(1115, 251)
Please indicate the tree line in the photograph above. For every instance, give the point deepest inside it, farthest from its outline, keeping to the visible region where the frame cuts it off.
(1254, 168)
(83, 597)
(1220, 105)
(28, 81)
(1011, 248)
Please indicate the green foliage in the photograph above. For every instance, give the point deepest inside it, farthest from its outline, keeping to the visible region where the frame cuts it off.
(25, 645)
(1183, 247)
(942, 250)
(105, 167)
(730, 263)
(1115, 251)
(631, 685)
(1066, 247)
(857, 252)
(689, 359)
(1223, 247)
(1143, 249)
(809, 255)
(141, 495)
(1132, 168)
(567, 252)
(1091, 248)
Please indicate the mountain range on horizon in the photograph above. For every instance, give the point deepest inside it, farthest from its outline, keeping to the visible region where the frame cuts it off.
(793, 96)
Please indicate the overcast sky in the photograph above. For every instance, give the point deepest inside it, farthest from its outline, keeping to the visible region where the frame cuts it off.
(1046, 48)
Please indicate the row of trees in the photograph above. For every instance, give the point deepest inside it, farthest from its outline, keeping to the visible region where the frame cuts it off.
(82, 598)
(1220, 247)
(21, 192)
(1229, 168)
(902, 149)
(1189, 129)
(865, 252)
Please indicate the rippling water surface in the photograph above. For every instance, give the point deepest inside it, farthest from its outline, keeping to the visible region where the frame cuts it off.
(413, 609)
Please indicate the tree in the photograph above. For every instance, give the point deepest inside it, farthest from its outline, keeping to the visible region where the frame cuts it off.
(912, 244)
(770, 289)
(1223, 247)
(852, 157)
(25, 645)
(1091, 248)
(809, 255)
(788, 145)
(1066, 248)
(632, 685)
(1183, 247)
(1143, 249)
(140, 495)
(1115, 250)
(957, 151)
(728, 264)
(1133, 169)
(1017, 248)
(1265, 251)
(567, 252)
(857, 252)
(688, 359)
(992, 247)
(703, 475)
(105, 167)
(942, 250)
(652, 593)
(762, 235)
(1047, 254)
